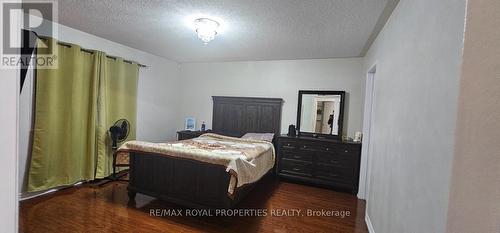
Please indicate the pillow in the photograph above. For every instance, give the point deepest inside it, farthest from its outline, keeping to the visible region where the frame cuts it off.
(259, 136)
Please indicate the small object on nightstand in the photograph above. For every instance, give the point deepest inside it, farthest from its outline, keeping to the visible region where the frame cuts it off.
(203, 126)
(358, 137)
(190, 124)
(292, 131)
(346, 138)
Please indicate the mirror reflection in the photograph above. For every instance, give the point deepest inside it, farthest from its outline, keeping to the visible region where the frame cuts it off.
(320, 114)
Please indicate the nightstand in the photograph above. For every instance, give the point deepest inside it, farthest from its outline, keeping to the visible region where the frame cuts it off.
(185, 134)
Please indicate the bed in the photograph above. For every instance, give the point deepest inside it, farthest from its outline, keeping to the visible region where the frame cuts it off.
(196, 183)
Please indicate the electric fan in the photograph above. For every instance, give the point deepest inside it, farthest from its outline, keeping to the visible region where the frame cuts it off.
(118, 132)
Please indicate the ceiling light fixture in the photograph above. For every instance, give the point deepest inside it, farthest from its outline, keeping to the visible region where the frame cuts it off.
(206, 29)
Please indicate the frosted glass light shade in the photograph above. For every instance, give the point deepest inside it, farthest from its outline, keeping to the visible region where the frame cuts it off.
(206, 29)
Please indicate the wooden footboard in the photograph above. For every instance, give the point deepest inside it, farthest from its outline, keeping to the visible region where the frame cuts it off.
(189, 183)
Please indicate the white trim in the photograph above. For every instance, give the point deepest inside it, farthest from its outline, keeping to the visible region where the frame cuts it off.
(16, 150)
(369, 222)
(16, 169)
(23, 198)
(364, 179)
(27, 196)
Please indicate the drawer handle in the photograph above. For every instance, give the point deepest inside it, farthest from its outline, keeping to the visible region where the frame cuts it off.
(327, 149)
(296, 169)
(346, 151)
(288, 147)
(297, 157)
(305, 147)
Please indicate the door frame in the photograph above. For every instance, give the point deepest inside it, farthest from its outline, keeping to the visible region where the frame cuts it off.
(364, 178)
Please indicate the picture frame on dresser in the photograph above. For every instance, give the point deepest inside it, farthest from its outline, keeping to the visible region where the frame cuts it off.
(190, 124)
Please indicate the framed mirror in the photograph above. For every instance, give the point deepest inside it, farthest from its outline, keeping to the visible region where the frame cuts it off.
(321, 113)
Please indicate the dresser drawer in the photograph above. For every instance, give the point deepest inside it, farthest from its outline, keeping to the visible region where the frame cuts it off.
(319, 161)
(296, 167)
(329, 148)
(288, 145)
(347, 150)
(310, 146)
(306, 157)
(334, 174)
(333, 159)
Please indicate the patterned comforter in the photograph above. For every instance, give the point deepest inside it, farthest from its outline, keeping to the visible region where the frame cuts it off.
(246, 160)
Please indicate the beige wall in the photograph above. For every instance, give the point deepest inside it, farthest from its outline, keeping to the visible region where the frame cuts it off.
(474, 204)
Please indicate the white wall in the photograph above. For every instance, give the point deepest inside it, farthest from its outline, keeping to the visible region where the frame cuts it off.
(280, 79)
(418, 55)
(8, 149)
(9, 93)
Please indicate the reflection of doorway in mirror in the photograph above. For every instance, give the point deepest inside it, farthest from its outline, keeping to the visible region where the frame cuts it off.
(326, 118)
(320, 114)
(327, 115)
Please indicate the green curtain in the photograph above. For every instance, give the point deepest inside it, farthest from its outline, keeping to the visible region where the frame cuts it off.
(117, 100)
(64, 141)
(75, 105)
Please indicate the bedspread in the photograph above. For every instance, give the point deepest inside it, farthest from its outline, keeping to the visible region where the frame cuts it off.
(246, 160)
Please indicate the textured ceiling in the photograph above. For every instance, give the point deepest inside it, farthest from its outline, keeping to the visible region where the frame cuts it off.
(253, 29)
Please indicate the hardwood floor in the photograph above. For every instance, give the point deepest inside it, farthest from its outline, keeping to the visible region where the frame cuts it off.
(107, 209)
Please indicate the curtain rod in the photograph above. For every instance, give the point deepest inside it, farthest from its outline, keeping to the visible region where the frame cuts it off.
(89, 50)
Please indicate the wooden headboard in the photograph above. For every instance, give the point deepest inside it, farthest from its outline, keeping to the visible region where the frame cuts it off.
(235, 116)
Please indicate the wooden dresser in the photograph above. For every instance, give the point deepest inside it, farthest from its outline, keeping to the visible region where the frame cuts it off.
(324, 162)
